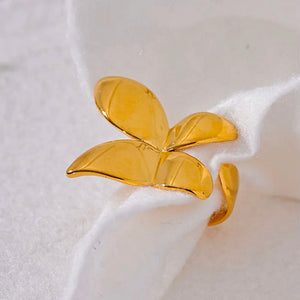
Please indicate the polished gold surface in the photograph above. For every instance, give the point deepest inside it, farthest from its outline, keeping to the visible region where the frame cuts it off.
(129, 161)
(200, 128)
(229, 180)
(182, 172)
(151, 157)
(132, 108)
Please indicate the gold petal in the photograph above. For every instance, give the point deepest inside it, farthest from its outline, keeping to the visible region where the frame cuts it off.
(132, 162)
(133, 109)
(180, 171)
(200, 128)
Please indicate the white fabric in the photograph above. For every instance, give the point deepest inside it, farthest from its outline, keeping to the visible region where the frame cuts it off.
(192, 55)
(135, 250)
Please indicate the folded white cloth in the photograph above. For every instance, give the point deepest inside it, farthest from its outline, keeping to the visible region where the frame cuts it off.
(192, 54)
(144, 236)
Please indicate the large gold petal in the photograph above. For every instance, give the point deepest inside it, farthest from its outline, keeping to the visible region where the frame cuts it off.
(132, 162)
(180, 171)
(200, 128)
(133, 109)
(229, 179)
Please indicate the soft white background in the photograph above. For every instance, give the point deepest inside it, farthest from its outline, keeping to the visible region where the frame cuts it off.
(46, 121)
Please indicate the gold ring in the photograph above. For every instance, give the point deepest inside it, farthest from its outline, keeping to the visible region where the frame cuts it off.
(153, 157)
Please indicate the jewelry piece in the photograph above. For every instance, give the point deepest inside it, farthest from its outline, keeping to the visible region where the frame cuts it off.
(152, 156)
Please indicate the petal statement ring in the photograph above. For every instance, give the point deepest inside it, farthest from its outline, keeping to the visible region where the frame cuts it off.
(152, 156)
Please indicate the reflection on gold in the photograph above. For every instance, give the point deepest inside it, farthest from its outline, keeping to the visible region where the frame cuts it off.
(229, 179)
(152, 157)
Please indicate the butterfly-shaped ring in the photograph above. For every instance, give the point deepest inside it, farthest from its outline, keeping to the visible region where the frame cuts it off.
(151, 157)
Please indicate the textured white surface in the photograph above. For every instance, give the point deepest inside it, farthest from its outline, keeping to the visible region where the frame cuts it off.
(46, 122)
(42, 213)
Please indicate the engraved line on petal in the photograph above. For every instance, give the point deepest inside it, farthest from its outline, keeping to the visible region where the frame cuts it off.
(97, 156)
(191, 129)
(132, 136)
(112, 95)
